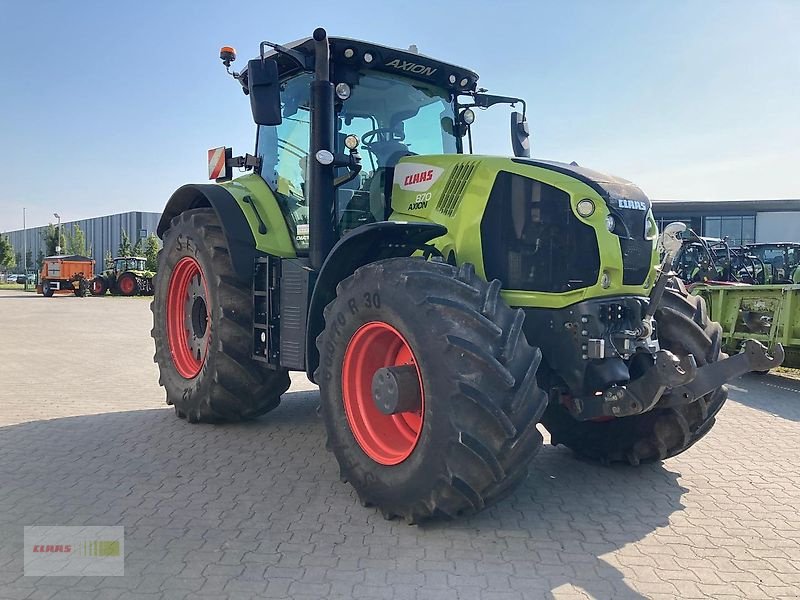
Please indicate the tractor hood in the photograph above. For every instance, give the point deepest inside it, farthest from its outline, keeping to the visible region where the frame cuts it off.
(611, 189)
(629, 205)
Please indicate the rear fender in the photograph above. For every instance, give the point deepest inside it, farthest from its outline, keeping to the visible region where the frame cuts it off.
(367, 244)
(238, 234)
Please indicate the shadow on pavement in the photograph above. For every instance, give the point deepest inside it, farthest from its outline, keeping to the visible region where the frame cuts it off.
(772, 394)
(251, 485)
(574, 512)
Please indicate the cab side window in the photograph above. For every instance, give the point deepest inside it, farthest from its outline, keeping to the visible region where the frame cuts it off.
(284, 154)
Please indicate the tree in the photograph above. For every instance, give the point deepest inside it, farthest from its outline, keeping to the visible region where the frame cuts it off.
(7, 259)
(39, 260)
(108, 260)
(124, 245)
(151, 246)
(76, 241)
(137, 249)
(50, 237)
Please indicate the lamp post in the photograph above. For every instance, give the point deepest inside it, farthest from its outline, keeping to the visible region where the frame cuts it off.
(24, 249)
(57, 216)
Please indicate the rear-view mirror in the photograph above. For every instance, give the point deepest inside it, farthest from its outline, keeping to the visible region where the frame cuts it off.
(520, 135)
(265, 92)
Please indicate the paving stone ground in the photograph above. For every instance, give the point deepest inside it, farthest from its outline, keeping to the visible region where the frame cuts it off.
(257, 510)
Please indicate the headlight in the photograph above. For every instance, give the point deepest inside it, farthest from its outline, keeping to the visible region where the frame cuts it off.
(585, 208)
(611, 222)
(467, 116)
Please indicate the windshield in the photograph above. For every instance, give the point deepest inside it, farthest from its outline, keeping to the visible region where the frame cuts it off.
(396, 117)
(393, 117)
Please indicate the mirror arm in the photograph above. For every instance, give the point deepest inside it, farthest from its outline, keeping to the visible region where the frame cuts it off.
(301, 59)
(487, 100)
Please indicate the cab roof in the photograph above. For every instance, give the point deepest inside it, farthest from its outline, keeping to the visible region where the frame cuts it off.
(406, 63)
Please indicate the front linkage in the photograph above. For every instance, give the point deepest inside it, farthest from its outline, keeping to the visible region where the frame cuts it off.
(671, 381)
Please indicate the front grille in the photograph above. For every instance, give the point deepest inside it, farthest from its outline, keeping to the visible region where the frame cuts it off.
(532, 240)
(454, 188)
(636, 257)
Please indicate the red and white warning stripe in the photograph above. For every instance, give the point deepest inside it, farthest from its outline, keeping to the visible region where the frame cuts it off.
(216, 162)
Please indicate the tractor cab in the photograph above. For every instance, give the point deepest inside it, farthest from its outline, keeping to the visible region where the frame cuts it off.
(396, 103)
(393, 116)
(129, 263)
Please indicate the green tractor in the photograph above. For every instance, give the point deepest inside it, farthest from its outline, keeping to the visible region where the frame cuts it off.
(445, 303)
(781, 261)
(127, 277)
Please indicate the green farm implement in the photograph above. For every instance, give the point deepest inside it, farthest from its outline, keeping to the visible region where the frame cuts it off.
(767, 313)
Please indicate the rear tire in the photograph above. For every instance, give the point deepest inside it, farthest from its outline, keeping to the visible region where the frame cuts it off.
(683, 328)
(223, 383)
(99, 286)
(472, 430)
(47, 291)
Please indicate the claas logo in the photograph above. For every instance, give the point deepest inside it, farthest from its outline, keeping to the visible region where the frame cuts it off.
(97, 548)
(418, 177)
(634, 204)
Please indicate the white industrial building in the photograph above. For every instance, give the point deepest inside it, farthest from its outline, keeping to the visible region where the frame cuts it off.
(741, 221)
(102, 234)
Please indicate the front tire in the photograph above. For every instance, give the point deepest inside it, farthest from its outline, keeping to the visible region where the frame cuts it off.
(467, 429)
(683, 328)
(202, 315)
(127, 284)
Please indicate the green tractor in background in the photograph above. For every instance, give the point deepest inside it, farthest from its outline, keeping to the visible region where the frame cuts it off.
(127, 277)
(781, 261)
(446, 303)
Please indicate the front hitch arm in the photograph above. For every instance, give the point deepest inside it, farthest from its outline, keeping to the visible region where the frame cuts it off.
(641, 394)
(753, 356)
(671, 381)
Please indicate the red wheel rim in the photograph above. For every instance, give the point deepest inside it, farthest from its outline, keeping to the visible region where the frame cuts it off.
(126, 285)
(97, 287)
(188, 319)
(386, 439)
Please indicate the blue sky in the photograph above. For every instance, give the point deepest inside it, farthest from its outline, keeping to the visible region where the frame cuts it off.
(110, 106)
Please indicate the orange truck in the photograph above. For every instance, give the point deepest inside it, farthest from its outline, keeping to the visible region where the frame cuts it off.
(65, 273)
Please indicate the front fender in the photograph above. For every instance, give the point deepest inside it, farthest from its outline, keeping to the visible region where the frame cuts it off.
(367, 244)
